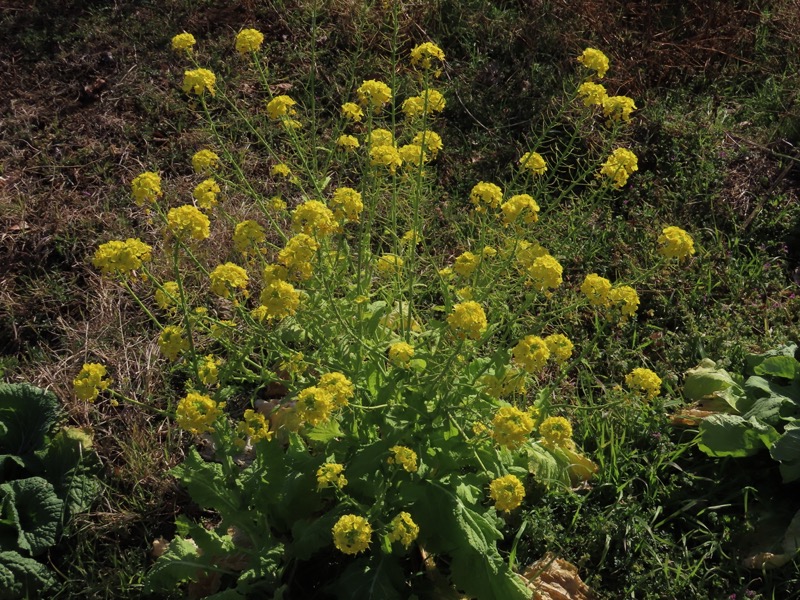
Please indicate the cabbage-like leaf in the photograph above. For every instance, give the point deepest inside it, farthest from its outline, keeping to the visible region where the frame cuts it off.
(787, 451)
(178, 564)
(22, 577)
(706, 380)
(34, 510)
(27, 413)
(753, 360)
(732, 435)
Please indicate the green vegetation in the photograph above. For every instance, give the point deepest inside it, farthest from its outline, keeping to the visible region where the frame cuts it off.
(93, 99)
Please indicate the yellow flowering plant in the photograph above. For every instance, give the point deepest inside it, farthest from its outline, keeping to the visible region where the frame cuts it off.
(362, 391)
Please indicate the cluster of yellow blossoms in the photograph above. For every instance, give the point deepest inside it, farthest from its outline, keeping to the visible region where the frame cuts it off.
(228, 279)
(146, 188)
(90, 381)
(205, 193)
(172, 342)
(249, 40)
(674, 242)
(507, 492)
(204, 161)
(556, 432)
(468, 320)
(511, 427)
(600, 292)
(400, 353)
(619, 166)
(644, 381)
(196, 413)
(199, 81)
(120, 258)
(424, 54)
(404, 456)
(331, 475)
(188, 223)
(403, 529)
(352, 534)
(374, 94)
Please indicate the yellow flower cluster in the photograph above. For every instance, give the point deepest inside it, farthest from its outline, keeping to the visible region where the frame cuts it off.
(330, 475)
(388, 265)
(249, 40)
(347, 143)
(375, 94)
(512, 381)
(644, 381)
(196, 413)
(247, 236)
(619, 166)
(521, 204)
(412, 155)
(187, 222)
(428, 102)
(592, 93)
(281, 108)
(146, 187)
(346, 205)
(199, 81)
(486, 193)
(90, 382)
(531, 353)
(280, 170)
(380, 137)
(118, 257)
(533, 162)
(403, 456)
(400, 353)
(674, 242)
(468, 320)
(466, 264)
(525, 252)
(208, 369)
(296, 256)
(618, 108)
(278, 299)
(423, 55)
(507, 492)
(183, 42)
(545, 272)
(403, 529)
(172, 343)
(204, 161)
(228, 279)
(429, 140)
(314, 406)
(556, 432)
(385, 156)
(351, 534)
(205, 193)
(596, 289)
(168, 295)
(313, 218)
(352, 112)
(626, 299)
(338, 386)
(254, 427)
(595, 60)
(511, 427)
(560, 347)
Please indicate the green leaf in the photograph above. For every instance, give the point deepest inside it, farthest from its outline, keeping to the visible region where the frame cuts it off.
(208, 485)
(377, 577)
(707, 381)
(787, 451)
(28, 414)
(178, 564)
(325, 432)
(778, 366)
(22, 577)
(732, 435)
(71, 467)
(35, 509)
(310, 535)
(753, 360)
(545, 467)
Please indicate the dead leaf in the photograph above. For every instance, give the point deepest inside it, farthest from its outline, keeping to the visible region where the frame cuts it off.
(552, 578)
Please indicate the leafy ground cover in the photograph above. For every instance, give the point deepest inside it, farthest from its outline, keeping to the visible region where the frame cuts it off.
(93, 100)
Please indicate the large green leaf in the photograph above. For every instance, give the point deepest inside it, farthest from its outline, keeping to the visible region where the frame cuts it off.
(378, 577)
(27, 413)
(787, 451)
(311, 535)
(753, 360)
(35, 511)
(785, 367)
(732, 435)
(22, 577)
(71, 467)
(706, 381)
(178, 564)
(208, 485)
